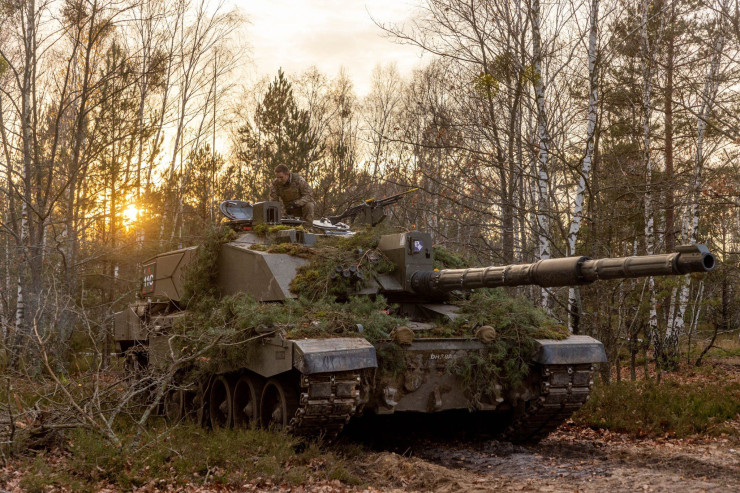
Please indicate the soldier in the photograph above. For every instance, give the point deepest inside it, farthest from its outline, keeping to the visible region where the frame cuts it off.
(295, 193)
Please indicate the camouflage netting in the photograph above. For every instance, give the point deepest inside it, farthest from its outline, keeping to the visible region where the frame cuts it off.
(323, 309)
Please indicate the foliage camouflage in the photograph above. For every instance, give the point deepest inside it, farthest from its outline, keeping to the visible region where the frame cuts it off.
(517, 322)
(314, 279)
(447, 259)
(200, 280)
(324, 309)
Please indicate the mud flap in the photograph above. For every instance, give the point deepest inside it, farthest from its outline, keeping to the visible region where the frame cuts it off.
(574, 350)
(333, 355)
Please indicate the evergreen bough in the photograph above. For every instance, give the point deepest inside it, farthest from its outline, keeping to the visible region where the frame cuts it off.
(324, 309)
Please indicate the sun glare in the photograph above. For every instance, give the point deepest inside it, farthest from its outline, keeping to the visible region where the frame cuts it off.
(130, 214)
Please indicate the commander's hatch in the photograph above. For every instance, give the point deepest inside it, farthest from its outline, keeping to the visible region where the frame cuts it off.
(243, 215)
(237, 210)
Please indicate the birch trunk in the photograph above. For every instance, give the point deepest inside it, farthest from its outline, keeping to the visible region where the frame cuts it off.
(10, 222)
(79, 163)
(26, 121)
(5, 295)
(593, 99)
(648, 63)
(709, 94)
(670, 230)
(543, 148)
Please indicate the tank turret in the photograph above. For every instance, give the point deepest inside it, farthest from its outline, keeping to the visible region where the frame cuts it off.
(413, 255)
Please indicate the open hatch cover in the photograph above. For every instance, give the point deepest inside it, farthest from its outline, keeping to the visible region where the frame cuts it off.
(236, 210)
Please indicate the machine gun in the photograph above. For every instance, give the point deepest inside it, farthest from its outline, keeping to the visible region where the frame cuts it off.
(371, 211)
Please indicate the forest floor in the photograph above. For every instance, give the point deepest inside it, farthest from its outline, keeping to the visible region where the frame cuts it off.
(573, 459)
(577, 459)
(626, 454)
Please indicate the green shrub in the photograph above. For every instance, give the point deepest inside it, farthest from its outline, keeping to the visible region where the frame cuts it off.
(673, 408)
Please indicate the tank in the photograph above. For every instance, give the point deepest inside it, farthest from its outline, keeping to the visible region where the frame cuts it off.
(314, 386)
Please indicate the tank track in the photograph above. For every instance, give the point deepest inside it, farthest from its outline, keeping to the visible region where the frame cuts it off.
(563, 389)
(327, 402)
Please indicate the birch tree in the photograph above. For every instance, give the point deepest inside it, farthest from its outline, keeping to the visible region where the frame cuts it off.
(208, 27)
(649, 51)
(543, 146)
(593, 100)
(485, 45)
(380, 107)
(707, 98)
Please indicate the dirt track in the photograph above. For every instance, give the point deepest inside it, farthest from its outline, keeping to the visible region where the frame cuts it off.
(569, 460)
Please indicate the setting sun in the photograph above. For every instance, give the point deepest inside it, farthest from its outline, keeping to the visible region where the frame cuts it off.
(130, 214)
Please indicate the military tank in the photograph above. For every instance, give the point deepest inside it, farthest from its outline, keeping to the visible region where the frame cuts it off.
(315, 385)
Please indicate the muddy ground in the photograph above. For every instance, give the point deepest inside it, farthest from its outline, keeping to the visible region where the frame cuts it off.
(572, 459)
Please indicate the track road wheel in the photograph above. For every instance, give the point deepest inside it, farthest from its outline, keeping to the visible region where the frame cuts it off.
(174, 405)
(220, 403)
(278, 404)
(247, 393)
(135, 361)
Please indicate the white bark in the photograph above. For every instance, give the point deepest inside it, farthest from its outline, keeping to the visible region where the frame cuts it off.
(5, 301)
(9, 219)
(26, 121)
(20, 303)
(648, 63)
(543, 138)
(676, 327)
(593, 99)
(697, 308)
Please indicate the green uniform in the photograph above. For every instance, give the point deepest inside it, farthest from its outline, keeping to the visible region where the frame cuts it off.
(297, 197)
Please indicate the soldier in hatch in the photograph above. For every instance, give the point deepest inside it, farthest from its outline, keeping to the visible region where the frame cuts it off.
(295, 193)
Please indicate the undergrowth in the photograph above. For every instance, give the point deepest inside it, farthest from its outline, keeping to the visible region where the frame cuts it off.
(645, 408)
(188, 456)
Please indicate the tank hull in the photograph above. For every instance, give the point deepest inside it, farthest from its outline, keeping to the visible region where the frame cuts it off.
(327, 382)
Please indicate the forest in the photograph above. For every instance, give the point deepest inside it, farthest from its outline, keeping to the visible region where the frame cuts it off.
(533, 130)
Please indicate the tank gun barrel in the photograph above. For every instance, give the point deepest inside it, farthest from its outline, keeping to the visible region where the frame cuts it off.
(568, 271)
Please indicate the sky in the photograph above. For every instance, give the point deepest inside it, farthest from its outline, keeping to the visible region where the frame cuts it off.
(329, 34)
